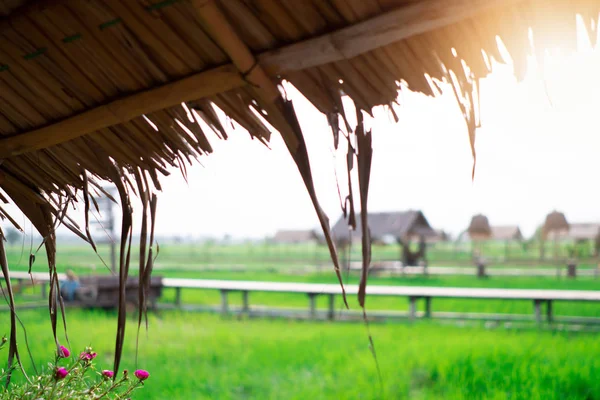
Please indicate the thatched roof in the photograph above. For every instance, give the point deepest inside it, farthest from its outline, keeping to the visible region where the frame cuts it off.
(400, 225)
(581, 231)
(507, 232)
(479, 228)
(439, 235)
(121, 90)
(297, 236)
(584, 231)
(555, 225)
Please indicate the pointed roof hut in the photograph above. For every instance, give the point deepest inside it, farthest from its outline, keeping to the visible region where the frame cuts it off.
(507, 233)
(555, 226)
(399, 225)
(124, 91)
(479, 228)
(296, 236)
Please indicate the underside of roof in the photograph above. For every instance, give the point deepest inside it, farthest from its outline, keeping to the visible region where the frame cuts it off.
(120, 90)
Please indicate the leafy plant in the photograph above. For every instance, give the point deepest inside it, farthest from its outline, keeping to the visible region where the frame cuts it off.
(73, 377)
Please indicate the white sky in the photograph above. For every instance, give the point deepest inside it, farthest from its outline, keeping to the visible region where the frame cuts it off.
(532, 157)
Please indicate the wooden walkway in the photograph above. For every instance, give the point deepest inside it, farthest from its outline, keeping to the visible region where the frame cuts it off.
(413, 293)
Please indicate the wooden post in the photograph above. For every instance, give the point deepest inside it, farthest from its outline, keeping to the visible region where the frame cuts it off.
(178, 297)
(481, 269)
(245, 302)
(423, 264)
(43, 288)
(312, 297)
(412, 307)
(538, 311)
(549, 315)
(224, 303)
(572, 269)
(427, 307)
(331, 309)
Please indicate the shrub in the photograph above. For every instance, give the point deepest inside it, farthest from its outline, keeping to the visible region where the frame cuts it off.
(73, 377)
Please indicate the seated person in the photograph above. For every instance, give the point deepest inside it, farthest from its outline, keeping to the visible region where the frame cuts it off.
(68, 288)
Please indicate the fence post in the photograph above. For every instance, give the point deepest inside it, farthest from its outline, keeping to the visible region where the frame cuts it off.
(312, 304)
(481, 269)
(428, 307)
(412, 307)
(572, 269)
(549, 311)
(538, 311)
(224, 303)
(178, 297)
(331, 309)
(245, 302)
(43, 290)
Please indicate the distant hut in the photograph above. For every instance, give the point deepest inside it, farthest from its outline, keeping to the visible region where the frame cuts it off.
(555, 226)
(507, 234)
(585, 233)
(296, 237)
(479, 228)
(440, 236)
(402, 226)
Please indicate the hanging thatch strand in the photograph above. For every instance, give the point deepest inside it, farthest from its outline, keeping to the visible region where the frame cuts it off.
(93, 90)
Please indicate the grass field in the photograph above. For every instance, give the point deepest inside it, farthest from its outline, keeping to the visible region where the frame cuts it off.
(194, 356)
(270, 256)
(212, 297)
(200, 356)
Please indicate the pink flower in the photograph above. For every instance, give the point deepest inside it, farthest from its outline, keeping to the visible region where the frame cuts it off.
(61, 372)
(86, 355)
(107, 373)
(141, 374)
(63, 352)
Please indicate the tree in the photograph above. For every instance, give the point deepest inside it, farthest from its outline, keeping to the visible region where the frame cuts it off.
(12, 235)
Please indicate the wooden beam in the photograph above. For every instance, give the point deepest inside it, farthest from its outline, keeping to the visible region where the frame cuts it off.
(382, 30)
(202, 84)
(221, 30)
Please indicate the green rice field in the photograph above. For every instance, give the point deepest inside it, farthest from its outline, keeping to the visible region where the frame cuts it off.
(267, 256)
(197, 356)
(204, 356)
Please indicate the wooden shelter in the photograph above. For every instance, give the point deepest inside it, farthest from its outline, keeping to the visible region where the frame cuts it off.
(402, 226)
(586, 232)
(555, 226)
(479, 229)
(399, 225)
(296, 237)
(506, 233)
(121, 90)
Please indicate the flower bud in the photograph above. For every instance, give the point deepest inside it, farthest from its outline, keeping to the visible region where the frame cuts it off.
(60, 373)
(141, 374)
(63, 352)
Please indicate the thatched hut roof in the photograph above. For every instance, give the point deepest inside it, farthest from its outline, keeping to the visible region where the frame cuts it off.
(121, 90)
(401, 225)
(296, 236)
(506, 232)
(479, 228)
(581, 231)
(555, 225)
